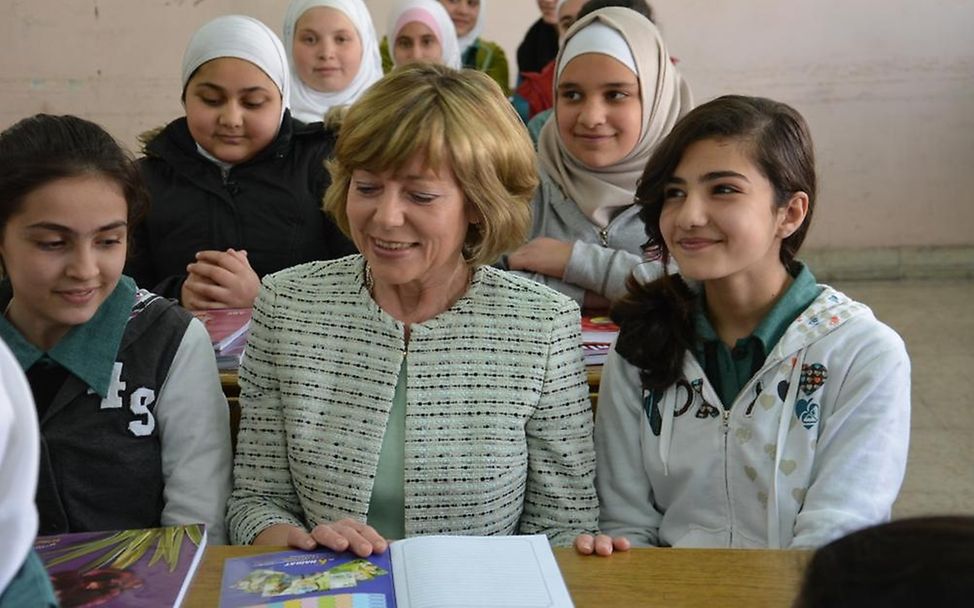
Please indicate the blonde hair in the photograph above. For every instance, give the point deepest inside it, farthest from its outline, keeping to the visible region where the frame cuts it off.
(457, 118)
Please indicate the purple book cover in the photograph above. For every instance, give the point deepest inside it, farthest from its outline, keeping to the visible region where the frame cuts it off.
(308, 579)
(122, 569)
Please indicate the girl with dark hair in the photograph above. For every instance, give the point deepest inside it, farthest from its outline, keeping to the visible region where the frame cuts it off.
(744, 405)
(134, 424)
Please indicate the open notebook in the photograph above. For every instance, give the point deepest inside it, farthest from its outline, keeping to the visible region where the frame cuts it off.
(420, 572)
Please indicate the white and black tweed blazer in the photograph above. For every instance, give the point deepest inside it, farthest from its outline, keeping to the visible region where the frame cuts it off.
(498, 427)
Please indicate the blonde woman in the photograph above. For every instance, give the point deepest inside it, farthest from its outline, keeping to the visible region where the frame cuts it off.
(414, 389)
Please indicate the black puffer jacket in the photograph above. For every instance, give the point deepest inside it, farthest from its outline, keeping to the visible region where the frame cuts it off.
(269, 205)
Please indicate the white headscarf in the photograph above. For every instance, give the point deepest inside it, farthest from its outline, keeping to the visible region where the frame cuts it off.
(474, 33)
(243, 38)
(310, 105)
(19, 464)
(432, 14)
(665, 97)
(598, 37)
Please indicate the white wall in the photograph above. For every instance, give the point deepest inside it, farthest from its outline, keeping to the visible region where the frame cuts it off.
(887, 86)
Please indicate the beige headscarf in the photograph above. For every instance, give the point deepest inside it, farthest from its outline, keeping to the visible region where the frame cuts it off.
(665, 98)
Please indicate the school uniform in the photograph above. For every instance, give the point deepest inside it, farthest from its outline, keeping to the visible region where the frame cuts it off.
(602, 257)
(134, 425)
(792, 449)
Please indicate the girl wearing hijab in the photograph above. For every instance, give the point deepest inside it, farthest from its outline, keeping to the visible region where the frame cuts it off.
(616, 96)
(475, 52)
(420, 30)
(236, 184)
(333, 52)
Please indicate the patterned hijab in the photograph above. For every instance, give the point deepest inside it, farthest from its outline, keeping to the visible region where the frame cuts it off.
(309, 105)
(665, 97)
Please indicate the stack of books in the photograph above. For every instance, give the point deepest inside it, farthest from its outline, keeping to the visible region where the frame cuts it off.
(228, 329)
(598, 333)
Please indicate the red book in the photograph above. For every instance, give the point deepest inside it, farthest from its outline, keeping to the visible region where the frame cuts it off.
(598, 330)
(227, 326)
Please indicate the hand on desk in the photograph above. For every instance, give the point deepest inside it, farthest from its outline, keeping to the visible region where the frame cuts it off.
(220, 279)
(343, 535)
(603, 544)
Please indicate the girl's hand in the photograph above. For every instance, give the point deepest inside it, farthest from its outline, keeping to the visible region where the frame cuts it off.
(351, 535)
(543, 255)
(220, 279)
(602, 544)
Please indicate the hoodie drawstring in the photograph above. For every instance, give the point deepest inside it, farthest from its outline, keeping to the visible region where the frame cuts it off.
(668, 410)
(787, 407)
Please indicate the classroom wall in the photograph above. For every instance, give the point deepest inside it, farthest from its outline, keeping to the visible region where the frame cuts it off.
(887, 86)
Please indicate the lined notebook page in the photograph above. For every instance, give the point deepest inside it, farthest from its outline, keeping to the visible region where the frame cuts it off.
(477, 572)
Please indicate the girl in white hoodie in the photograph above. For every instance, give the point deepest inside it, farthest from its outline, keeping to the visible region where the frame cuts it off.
(743, 405)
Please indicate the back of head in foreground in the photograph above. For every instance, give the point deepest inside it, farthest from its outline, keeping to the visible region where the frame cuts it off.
(923, 561)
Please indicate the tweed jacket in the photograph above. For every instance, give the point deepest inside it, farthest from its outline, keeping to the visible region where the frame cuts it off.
(498, 436)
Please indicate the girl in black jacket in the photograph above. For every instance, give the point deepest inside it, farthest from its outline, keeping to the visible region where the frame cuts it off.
(236, 184)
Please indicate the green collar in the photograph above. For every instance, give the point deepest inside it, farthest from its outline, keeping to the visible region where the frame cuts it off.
(730, 369)
(89, 350)
(802, 291)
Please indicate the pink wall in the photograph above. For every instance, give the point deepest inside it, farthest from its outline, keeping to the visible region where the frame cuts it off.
(887, 86)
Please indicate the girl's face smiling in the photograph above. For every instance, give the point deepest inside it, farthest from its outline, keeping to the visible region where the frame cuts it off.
(598, 110)
(64, 251)
(233, 109)
(719, 218)
(463, 13)
(327, 50)
(416, 42)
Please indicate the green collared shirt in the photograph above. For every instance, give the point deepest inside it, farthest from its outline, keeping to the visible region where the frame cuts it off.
(89, 350)
(729, 369)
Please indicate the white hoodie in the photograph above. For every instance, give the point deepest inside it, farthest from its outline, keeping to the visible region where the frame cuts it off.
(814, 446)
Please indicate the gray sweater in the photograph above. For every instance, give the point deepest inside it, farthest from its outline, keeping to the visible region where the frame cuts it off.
(601, 259)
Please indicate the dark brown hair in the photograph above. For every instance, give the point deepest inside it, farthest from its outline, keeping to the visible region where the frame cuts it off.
(43, 148)
(923, 561)
(657, 318)
(640, 6)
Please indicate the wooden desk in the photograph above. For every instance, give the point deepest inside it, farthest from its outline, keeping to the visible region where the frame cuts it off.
(710, 578)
